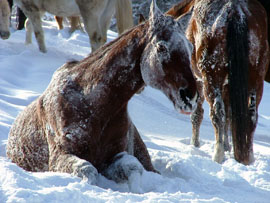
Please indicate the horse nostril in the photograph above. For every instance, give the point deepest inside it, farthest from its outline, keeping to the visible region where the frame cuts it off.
(185, 95)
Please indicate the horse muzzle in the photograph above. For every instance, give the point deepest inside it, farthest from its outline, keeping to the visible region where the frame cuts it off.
(4, 34)
(188, 103)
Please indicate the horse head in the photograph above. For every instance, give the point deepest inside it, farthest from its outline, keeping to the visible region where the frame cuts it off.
(166, 61)
(4, 19)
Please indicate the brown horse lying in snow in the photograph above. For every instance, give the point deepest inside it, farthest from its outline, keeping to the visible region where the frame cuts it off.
(80, 124)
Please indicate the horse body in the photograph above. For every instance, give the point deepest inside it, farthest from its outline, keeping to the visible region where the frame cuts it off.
(96, 16)
(4, 19)
(80, 124)
(230, 58)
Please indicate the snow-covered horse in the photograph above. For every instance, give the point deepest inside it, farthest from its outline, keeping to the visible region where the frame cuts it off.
(230, 60)
(4, 19)
(80, 124)
(96, 15)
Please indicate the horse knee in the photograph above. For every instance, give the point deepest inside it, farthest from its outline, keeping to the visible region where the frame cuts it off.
(218, 113)
(97, 41)
(196, 120)
(86, 171)
(126, 168)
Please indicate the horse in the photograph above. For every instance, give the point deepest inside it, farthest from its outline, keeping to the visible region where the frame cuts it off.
(80, 124)
(230, 60)
(96, 16)
(4, 19)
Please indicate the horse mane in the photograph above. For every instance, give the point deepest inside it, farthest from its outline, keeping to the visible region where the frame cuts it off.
(117, 43)
(180, 8)
(238, 55)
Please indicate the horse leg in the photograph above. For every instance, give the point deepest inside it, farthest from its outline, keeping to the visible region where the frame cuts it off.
(217, 115)
(34, 22)
(137, 148)
(74, 23)
(125, 168)
(59, 21)
(227, 130)
(197, 117)
(105, 18)
(123, 15)
(90, 11)
(69, 163)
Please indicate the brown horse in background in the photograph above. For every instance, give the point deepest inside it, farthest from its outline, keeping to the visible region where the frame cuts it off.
(230, 60)
(266, 5)
(80, 124)
(4, 19)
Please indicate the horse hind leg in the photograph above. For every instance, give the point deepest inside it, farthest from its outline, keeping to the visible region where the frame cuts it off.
(196, 118)
(217, 114)
(252, 122)
(34, 23)
(90, 12)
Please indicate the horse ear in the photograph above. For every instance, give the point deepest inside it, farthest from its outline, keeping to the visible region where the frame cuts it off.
(155, 13)
(141, 18)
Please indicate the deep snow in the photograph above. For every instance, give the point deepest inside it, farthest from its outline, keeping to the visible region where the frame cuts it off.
(188, 174)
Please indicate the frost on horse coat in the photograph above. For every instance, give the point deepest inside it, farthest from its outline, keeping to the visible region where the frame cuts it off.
(80, 124)
(230, 60)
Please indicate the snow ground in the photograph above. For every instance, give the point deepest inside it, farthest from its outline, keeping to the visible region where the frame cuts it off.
(188, 174)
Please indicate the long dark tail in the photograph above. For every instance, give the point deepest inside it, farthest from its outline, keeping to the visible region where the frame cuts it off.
(237, 53)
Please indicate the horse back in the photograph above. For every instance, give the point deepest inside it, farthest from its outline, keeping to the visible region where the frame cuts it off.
(27, 145)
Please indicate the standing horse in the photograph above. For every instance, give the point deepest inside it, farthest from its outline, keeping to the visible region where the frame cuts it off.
(96, 15)
(80, 124)
(230, 60)
(4, 19)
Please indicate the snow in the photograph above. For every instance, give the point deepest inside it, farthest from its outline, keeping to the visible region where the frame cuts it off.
(188, 174)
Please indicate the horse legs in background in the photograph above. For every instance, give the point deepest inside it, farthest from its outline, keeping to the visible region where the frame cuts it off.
(73, 20)
(123, 14)
(197, 117)
(59, 21)
(91, 21)
(34, 23)
(4, 19)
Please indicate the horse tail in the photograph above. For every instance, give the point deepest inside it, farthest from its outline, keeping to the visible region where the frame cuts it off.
(238, 57)
(123, 14)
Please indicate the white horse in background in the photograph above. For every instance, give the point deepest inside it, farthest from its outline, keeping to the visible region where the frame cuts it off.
(4, 19)
(96, 15)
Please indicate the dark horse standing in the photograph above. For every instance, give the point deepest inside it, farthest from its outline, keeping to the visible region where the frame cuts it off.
(80, 124)
(230, 60)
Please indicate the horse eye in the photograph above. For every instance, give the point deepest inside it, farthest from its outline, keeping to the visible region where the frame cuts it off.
(162, 48)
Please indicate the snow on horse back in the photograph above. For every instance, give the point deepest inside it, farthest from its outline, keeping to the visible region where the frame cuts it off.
(4, 19)
(80, 124)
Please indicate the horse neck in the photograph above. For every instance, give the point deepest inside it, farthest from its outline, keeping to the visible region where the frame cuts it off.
(112, 75)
